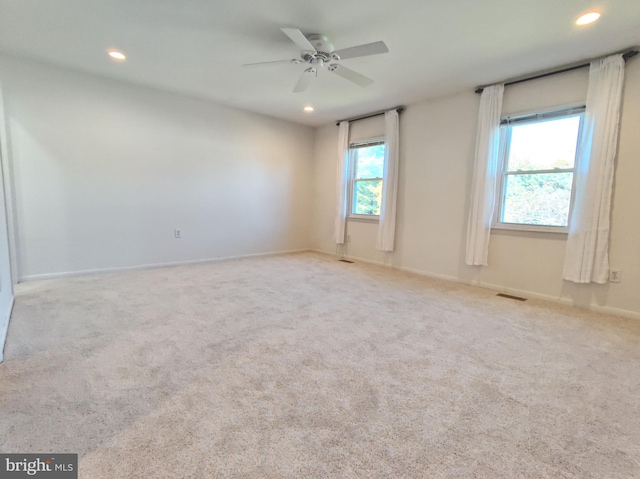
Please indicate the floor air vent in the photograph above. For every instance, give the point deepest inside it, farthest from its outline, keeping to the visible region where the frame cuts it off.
(345, 261)
(508, 296)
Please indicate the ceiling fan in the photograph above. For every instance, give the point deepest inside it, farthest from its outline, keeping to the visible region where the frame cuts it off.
(317, 51)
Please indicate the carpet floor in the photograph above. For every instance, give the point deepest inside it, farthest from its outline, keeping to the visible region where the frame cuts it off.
(300, 366)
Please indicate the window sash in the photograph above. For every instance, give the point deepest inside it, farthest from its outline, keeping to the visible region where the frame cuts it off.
(357, 180)
(540, 172)
(353, 180)
(506, 125)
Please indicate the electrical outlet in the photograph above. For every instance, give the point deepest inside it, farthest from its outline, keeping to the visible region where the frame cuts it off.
(615, 275)
(177, 233)
(348, 238)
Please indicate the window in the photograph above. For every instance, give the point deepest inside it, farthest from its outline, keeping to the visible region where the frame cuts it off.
(537, 170)
(367, 171)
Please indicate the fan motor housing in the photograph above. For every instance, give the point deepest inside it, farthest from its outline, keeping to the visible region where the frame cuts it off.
(323, 48)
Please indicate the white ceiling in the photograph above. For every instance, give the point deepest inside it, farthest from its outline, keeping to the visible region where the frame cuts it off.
(197, 47)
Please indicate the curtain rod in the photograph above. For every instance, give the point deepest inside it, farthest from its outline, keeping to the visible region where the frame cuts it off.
(399, 109)
(626, 56)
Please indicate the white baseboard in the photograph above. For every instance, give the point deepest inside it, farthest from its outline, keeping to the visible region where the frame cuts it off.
(494, 287)
(5, 316)
(625, 313)
(86, 272)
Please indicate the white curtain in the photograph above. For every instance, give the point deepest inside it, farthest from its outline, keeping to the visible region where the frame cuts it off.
(485, 172)
(387, 225)
(342, 186)
(587, 253)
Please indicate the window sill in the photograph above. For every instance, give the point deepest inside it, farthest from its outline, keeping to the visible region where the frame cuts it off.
(506, 227)
(364, 218)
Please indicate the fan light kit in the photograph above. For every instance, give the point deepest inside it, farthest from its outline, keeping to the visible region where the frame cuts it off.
(116, 55)
(317, 51)
(587, 18)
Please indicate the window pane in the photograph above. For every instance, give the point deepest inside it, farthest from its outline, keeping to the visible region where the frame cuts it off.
(369, 161)
(544, 145)
(366, 197)
(537, 199)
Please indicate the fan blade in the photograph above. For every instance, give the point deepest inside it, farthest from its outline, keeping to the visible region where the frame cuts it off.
(362, 50)
(350, 75)
(305, 79)
(259, 64)
(299, 39)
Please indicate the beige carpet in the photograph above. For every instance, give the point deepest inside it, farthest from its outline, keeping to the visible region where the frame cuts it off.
(300, 366)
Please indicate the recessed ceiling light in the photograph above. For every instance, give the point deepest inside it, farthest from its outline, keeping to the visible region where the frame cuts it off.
(116, 55)
(587, 18)
(308, 108)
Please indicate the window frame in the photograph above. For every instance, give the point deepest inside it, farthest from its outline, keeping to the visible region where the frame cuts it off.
(505, 143)
(353, 147)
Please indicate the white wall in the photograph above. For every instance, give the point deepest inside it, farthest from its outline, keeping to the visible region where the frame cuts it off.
(105, 171)
(436, 163)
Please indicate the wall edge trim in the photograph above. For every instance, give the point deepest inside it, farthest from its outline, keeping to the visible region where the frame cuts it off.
(88, 272)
